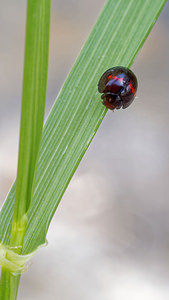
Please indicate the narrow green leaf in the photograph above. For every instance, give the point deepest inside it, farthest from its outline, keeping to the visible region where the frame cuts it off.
(33, 100)
(32, 116)
(116, 38)
(32, 113)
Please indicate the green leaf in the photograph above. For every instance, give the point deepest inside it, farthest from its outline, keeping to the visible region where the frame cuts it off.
(33, 100)
(116, 38)
(32, 117)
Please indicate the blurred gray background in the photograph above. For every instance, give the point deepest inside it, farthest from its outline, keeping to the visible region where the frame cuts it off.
(109, 238)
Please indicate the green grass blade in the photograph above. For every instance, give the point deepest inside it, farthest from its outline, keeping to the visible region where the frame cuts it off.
(33, 99)
(116, 38)
(33, 107)
(32, 117)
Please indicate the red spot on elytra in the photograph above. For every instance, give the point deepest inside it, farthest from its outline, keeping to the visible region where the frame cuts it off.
(115, 78)
(131, 88)
(110, 76)
(118, 79)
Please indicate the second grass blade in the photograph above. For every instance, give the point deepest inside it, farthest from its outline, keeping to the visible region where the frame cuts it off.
(33, 99)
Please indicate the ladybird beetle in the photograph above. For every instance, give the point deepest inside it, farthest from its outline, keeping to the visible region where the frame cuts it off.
(119, 86)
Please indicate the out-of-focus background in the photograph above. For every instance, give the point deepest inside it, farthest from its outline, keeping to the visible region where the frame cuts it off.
(109, 238)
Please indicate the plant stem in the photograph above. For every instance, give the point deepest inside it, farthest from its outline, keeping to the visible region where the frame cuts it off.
(32, 117)
(32, 114)
(9, 285)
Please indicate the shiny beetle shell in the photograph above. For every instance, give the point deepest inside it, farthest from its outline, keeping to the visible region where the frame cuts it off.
(118, 86)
